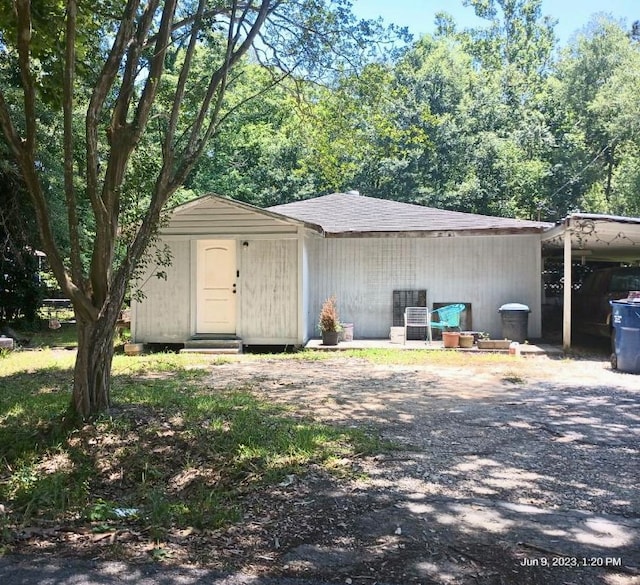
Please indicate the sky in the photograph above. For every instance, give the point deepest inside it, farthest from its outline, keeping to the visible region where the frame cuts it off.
(418, 15)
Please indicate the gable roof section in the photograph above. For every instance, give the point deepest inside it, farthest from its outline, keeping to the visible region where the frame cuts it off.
(212, 215)
(344, 214)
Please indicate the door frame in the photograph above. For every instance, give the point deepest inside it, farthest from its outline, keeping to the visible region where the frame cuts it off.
(194, 284)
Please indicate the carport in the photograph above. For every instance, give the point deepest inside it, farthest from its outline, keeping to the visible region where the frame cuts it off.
(594, 238)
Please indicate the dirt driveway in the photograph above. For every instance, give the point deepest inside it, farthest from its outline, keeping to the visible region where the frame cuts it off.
(521, 471)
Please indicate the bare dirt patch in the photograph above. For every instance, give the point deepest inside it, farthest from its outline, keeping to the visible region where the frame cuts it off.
(510, 472)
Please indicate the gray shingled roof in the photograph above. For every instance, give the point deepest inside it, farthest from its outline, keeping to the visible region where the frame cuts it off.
(352, 213)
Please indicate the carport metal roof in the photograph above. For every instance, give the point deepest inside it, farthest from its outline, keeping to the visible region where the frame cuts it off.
(591, 237)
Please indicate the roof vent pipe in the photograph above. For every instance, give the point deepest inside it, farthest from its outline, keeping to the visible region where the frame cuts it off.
(353, 192)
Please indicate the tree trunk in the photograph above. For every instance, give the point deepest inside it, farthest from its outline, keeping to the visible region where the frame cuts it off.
(610, 166)
(92, 373)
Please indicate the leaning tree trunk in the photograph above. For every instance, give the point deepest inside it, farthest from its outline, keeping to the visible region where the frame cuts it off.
(92, 373)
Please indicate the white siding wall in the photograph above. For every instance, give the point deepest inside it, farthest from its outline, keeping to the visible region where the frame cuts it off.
(267, 289)
(268, 298)
(164, 314)
(486, 271)
(269, 292)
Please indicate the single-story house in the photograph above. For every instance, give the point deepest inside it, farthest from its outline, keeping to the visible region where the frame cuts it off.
(261, 275)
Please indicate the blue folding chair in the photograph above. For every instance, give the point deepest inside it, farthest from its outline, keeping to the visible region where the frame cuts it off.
(448, 318)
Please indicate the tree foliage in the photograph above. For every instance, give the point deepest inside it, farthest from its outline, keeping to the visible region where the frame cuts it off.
(111, 110)
(20, 287)
(496, 119)
(136, 121)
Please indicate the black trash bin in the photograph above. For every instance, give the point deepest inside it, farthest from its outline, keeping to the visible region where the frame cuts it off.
(625, 317)
(515, 321)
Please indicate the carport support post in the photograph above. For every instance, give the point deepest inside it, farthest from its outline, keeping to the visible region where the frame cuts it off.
(566, 312)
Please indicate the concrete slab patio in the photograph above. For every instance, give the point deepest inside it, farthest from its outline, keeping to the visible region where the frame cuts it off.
(436, 345)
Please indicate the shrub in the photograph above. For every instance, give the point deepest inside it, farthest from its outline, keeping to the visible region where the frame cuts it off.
(329, 320)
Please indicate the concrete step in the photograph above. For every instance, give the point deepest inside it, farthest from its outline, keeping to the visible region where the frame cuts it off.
(210, 345)
(212, 350)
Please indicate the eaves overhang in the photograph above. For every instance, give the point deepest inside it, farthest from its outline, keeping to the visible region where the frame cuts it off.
(596, 237)
(434, 233)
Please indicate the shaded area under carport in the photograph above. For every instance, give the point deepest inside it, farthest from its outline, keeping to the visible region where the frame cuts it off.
(590, 238)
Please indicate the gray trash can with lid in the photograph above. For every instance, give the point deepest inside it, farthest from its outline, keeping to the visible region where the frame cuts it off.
(515, 321)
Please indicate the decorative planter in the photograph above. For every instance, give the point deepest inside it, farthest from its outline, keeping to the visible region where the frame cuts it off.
(494, 343)
(450, 338)
(466, 340)
(347, 332)
(134, 348)
(330, 337)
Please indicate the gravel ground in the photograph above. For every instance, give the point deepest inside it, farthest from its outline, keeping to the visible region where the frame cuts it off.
(523, 471)
(518, 471)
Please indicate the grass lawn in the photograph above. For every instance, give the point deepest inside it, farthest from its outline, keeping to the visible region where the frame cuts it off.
(173, 453)
(40, 336)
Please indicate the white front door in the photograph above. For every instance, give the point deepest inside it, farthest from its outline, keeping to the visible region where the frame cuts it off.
(216, 286)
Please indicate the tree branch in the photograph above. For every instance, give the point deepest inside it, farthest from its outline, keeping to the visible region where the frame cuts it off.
(231, 59)
(67, 107)
(127, 86)
(155, 69)
(186, 167)
(96, 104)
(166, 186)
(167, 150)
(24, 151)
(23, 14)
(123, 140)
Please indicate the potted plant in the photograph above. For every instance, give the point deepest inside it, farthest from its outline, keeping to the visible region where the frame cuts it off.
(485, 342)
(329, 323)
(450, 337)
(466, 339)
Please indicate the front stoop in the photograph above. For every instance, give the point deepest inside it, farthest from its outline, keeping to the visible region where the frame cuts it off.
(213, 345)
